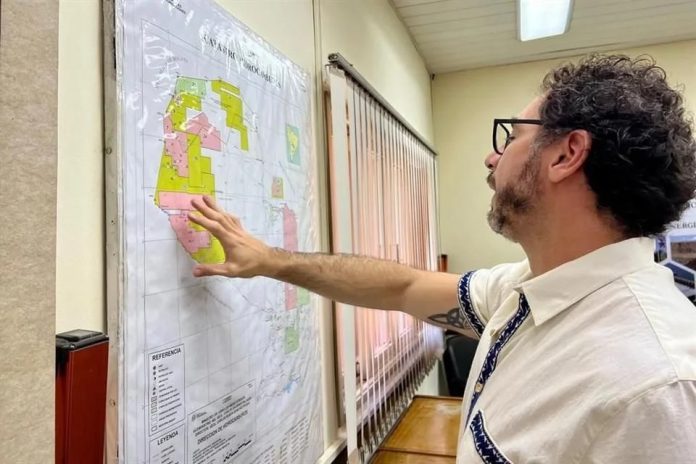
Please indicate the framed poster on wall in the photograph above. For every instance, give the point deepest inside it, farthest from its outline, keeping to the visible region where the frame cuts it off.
(676, 249)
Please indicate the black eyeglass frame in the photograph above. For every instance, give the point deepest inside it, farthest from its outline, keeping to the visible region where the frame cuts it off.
(499, 123)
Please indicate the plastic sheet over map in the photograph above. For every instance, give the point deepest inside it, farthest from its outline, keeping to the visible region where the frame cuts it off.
(213, 370)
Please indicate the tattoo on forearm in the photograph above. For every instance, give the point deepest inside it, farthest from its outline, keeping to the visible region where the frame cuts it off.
(453, 317)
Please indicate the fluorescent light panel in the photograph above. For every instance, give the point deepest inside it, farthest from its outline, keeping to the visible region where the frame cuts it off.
(537, 19)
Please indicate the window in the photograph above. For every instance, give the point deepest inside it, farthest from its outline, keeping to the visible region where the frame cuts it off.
(383, 195)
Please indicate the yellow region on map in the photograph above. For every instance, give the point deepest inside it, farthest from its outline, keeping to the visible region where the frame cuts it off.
(184, 172)
(232, 104)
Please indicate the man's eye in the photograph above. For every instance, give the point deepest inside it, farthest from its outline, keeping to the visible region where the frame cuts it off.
(509, 139)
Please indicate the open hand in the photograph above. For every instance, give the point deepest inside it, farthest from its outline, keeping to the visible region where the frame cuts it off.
(245, 255)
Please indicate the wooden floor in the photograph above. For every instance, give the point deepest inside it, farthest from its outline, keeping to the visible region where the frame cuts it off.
(403, 457)
(426, 433)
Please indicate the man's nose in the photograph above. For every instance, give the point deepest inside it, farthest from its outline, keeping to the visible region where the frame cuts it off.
(491, 160)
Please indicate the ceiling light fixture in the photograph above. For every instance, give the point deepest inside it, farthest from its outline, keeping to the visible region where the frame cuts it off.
(537, 19)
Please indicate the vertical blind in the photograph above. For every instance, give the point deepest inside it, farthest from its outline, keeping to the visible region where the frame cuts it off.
(383, 205)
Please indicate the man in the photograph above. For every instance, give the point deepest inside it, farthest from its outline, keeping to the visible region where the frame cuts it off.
(587, 350)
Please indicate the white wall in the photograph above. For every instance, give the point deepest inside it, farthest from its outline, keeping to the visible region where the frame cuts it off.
(370, 36)
(464, 105)
(80, 208)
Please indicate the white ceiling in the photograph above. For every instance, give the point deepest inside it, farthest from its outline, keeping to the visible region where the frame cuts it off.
(452, 35)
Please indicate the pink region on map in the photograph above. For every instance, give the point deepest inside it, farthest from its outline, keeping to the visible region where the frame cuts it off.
(176, 145)
(209, 135)
(168, 127)
(289, 229)
(192, 240)
(177, 200)
(290, 243)
(290, 297)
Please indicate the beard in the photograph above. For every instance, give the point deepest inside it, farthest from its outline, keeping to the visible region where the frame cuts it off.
(514, 201)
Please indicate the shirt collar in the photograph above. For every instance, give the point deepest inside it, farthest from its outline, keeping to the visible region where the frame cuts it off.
(554, 291)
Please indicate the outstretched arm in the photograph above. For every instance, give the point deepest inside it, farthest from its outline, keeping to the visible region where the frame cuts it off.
(356, 280)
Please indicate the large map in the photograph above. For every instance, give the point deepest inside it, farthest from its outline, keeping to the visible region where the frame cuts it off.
(213, 370)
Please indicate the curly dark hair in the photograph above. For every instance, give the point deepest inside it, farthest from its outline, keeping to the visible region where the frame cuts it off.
(642, 165)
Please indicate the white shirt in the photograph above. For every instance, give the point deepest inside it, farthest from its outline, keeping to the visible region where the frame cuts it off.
(599, 365)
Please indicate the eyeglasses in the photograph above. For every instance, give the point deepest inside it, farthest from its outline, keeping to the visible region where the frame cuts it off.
(502, 132)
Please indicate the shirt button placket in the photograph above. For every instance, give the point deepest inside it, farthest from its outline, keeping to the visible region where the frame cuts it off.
(490, 362)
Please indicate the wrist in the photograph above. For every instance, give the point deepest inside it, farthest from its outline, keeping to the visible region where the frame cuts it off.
(275, 262)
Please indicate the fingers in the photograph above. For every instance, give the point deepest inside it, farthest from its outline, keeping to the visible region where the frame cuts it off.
(211, 203)
(210, 209)
(203, 270)
(211, 225)
(205, 209)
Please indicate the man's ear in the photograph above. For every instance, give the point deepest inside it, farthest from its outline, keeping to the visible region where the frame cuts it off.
(572, 151)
